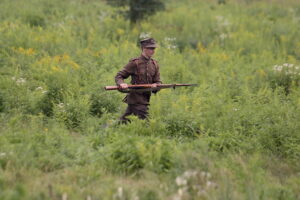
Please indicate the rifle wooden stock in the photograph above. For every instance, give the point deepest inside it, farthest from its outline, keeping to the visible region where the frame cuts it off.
(145, 86)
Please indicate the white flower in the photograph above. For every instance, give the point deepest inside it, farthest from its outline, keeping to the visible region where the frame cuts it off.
(61, 105)
(205, 174)
(180, 181)
(277, 68)
(2, 154)
(223, 36)
(21, 81)
(171, 46)
(190, 173)
(222, 21)
(39, 88)
(102, 16)
(170, 39)
(45, 91)
(119, 192)
(145, 35)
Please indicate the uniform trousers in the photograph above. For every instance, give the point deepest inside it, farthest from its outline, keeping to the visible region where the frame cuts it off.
(139, 110)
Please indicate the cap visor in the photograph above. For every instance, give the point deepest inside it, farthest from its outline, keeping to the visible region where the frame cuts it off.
(151, 46)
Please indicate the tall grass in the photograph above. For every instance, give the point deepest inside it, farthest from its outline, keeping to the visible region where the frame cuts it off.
(236, 136)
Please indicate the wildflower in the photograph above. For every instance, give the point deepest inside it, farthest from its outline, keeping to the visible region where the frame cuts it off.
(145, 35)
(190, 173)
(119, 193)
(180, 192)
(120, 31)
(21, 81)
(56, 69)
(171, 46)
(277, 68)
(205, 174)
(61, 105)
(170, 39)
(222, 21)
(180, 181)
(27, 52)
(2, 154)
(102, 16)
(223, 36)
(39, 88)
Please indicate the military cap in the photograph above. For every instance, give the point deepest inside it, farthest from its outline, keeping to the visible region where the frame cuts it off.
(148, 43)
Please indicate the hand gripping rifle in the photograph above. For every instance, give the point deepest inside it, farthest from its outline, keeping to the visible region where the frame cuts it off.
(146, 87)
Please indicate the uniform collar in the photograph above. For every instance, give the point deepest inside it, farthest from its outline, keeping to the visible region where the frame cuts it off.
(145, 57)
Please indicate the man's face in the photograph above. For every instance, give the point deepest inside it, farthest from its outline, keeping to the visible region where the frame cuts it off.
(149, 51)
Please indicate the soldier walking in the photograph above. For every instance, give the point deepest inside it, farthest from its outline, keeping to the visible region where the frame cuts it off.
(143, 70)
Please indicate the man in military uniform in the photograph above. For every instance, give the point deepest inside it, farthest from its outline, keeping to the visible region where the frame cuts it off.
(143, 70)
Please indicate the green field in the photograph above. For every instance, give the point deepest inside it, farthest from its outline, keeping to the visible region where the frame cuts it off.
(235, 136)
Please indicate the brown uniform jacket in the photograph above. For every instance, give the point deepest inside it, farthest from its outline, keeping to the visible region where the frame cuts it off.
(142, 71)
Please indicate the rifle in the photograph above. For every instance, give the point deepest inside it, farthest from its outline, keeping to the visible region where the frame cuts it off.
(146, 87)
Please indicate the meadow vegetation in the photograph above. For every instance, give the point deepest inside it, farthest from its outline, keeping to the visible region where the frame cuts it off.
(235, 136)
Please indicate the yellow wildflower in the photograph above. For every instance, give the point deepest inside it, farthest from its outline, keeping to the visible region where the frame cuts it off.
(56, 69)
(261, 72)
(201, 48)
(120, 31)
(73, 64)
(65, 57)
(23, 51)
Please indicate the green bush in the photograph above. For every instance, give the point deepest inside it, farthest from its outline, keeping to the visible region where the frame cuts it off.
(130, 155)
(73, 112)
(35, 20)
(139, 9)
(103, 102)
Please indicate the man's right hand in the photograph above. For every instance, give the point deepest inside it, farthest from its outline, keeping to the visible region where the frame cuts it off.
(123, 86)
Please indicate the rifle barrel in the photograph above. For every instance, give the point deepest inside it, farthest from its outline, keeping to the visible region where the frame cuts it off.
(143, 86)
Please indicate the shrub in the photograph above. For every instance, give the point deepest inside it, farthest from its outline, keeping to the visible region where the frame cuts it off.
(72, 112)
(139, 9)
(103, 102)
(131, 154)
(35, 20)
(53, 96)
